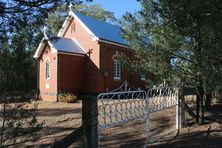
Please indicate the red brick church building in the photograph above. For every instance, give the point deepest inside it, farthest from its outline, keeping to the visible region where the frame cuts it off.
(83, 59)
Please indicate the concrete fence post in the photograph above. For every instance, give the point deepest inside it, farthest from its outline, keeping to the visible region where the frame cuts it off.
(90, 121)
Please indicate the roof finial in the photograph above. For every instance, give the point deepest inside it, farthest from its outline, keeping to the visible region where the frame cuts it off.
(44, 31)
(70, 6)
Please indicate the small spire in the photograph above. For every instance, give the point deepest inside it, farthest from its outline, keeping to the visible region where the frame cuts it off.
(70, 6)
(44, 31)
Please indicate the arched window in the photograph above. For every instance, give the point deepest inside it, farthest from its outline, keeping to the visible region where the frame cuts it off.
(116, 69)
(47, 67)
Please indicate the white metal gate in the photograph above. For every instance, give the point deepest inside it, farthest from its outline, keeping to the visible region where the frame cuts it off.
(125, 114)
(163, 115)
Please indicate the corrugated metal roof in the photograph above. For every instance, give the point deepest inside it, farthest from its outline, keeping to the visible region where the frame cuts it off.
(103, 30)
(66, 45)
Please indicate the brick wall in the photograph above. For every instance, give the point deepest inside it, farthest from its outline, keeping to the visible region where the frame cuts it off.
(108, 52)
(94, 78)
(100, 61)
(48, 87)
(93, 75)
(72, 73)
(75, 30)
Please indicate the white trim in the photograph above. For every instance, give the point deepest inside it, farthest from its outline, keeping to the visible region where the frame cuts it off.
(84, 26)
(41, 46)
(116, 71)
(81, 55)
(62, 31)
(64, 26)
(47, 69)
(94, 37)
(116, 78)
(54, 50)
(52, 47)
(104, 41)
(47, 59)
(74, 40)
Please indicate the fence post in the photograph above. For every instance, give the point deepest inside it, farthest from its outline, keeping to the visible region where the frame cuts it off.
(90, 121)
(180, 109)
(147, 121)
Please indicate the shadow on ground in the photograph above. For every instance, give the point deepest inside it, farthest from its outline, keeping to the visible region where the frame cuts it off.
(205, 136)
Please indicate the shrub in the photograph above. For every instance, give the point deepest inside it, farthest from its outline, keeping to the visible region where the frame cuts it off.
(67, 97)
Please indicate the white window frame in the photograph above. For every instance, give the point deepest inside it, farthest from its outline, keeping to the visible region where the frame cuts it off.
(143, 77)
(47, 70)
(116, 70)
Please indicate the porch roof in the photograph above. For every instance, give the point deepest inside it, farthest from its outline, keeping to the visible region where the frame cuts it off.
(66, 45)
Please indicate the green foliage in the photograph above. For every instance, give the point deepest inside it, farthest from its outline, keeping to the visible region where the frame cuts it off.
(67, 97)
(14, 12)
(184, 46)
(177, 40)
(97, 12)
(17, 68)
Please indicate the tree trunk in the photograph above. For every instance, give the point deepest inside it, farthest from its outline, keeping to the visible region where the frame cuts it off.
(200, 106)
(198, 53)
(208, 101)
(3, 124)
(197, 108)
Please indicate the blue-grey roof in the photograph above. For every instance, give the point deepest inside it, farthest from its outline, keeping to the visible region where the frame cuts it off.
(66, 45)
(103, 30)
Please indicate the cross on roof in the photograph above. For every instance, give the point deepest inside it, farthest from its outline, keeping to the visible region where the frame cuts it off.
(70, 6)
(44, 31)
(89, 52)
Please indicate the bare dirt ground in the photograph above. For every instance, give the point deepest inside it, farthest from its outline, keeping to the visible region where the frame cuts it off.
(133, 134)
(62, 120)
(208, 135)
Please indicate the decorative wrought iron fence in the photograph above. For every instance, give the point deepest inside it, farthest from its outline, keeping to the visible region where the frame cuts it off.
(163, 112)
(130, 116)
(121, 105)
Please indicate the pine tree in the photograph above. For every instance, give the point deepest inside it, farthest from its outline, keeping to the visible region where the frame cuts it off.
(178, 40)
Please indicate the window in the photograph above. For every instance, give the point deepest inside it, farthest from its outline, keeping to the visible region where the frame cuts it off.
(143, 77)
(116, 70)
(47, 70)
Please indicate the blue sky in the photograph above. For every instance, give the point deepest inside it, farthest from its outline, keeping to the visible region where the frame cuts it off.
(119, 7)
